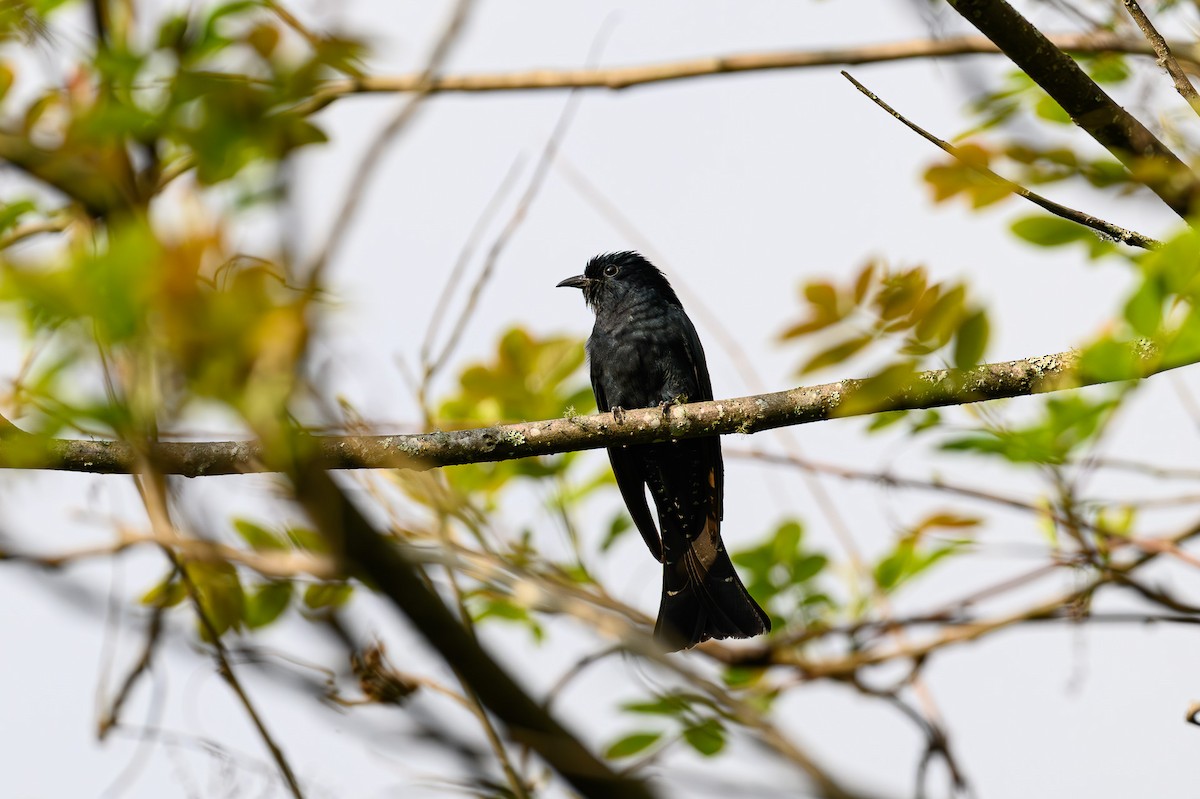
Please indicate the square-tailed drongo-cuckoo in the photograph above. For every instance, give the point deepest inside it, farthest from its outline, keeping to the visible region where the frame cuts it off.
(644, 352)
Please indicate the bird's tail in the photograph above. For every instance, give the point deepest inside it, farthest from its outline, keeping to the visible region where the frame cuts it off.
(704, 598)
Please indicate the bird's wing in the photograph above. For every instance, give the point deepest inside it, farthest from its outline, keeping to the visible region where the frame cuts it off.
(627, 468)
(711, 451)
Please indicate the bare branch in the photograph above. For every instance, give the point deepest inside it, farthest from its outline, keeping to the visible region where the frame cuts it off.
(1165, 59)
(641, 75)
(1087, 220)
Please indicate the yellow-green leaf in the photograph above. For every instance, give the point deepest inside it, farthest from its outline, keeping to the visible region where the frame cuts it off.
(630, 745)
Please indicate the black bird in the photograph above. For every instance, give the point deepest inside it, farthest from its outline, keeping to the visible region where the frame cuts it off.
(644, 352)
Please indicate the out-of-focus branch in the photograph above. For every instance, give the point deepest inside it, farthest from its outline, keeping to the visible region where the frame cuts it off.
(1088, 105)
(371, 555)
(152, 489)
(640, 75)
(30, 229)
(953, 634)
(368, 165)
(803, 405)
(1087, 220)
(73, 176)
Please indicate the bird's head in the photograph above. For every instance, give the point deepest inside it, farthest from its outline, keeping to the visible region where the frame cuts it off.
(615, 276)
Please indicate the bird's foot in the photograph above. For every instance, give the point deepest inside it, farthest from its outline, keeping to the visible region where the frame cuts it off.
(619, 414)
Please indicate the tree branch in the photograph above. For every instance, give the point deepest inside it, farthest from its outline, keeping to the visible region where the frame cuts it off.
(1088, 105)
(1130, 237)
(640, 75)
(1163, 52)
(752, 414)
(374, 557)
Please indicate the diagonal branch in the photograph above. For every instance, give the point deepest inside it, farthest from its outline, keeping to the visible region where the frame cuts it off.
(1163, 52)
(1130, 237)
(803, 405)
(373, 556)
(1088, 105)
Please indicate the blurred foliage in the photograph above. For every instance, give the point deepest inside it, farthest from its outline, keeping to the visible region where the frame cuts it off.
(915, 319)
(185, 319)
(914, 553)
(529, 378)
(691, 718)
(1067, 423)
(144, 308)
(786, 577)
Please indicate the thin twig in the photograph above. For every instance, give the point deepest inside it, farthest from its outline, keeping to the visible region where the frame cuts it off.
(111, 717)
(153, 493)
(460, 264)
(1095, 223)
(470, 695)
(849, 664)
(534, 187)
(367, 167)
(1163, 52)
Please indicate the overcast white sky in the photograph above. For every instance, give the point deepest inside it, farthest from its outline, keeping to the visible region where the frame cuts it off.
(746, 185)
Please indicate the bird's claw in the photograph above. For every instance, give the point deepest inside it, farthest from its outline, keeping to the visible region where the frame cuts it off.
(619, 414)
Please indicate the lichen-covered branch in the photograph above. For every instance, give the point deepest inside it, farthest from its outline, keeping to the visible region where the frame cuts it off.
(751, 414)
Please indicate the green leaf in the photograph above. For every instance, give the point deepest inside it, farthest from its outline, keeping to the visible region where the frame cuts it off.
(707, 738)
(886, 419)
(305, 538)
(872, 392)
(927, 420)
(1048, 109)
(669, 705)
(908, 560)
(1183, 347)
(938, 323)
(1049, 231)
(166, 594)
(1107, 361)
(808, 567)
(630, 745)
(1144, 309)
(11, 213)
(619, 524)
(221, 596)
(1107, 68)
(267, 603)
(836, 354)
(327, 595)
(971, 340)
(259, 538)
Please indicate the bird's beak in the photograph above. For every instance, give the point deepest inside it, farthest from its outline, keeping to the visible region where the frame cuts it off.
(577, 282)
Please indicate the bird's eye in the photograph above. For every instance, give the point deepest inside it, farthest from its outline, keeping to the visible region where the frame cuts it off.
(611, 270)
